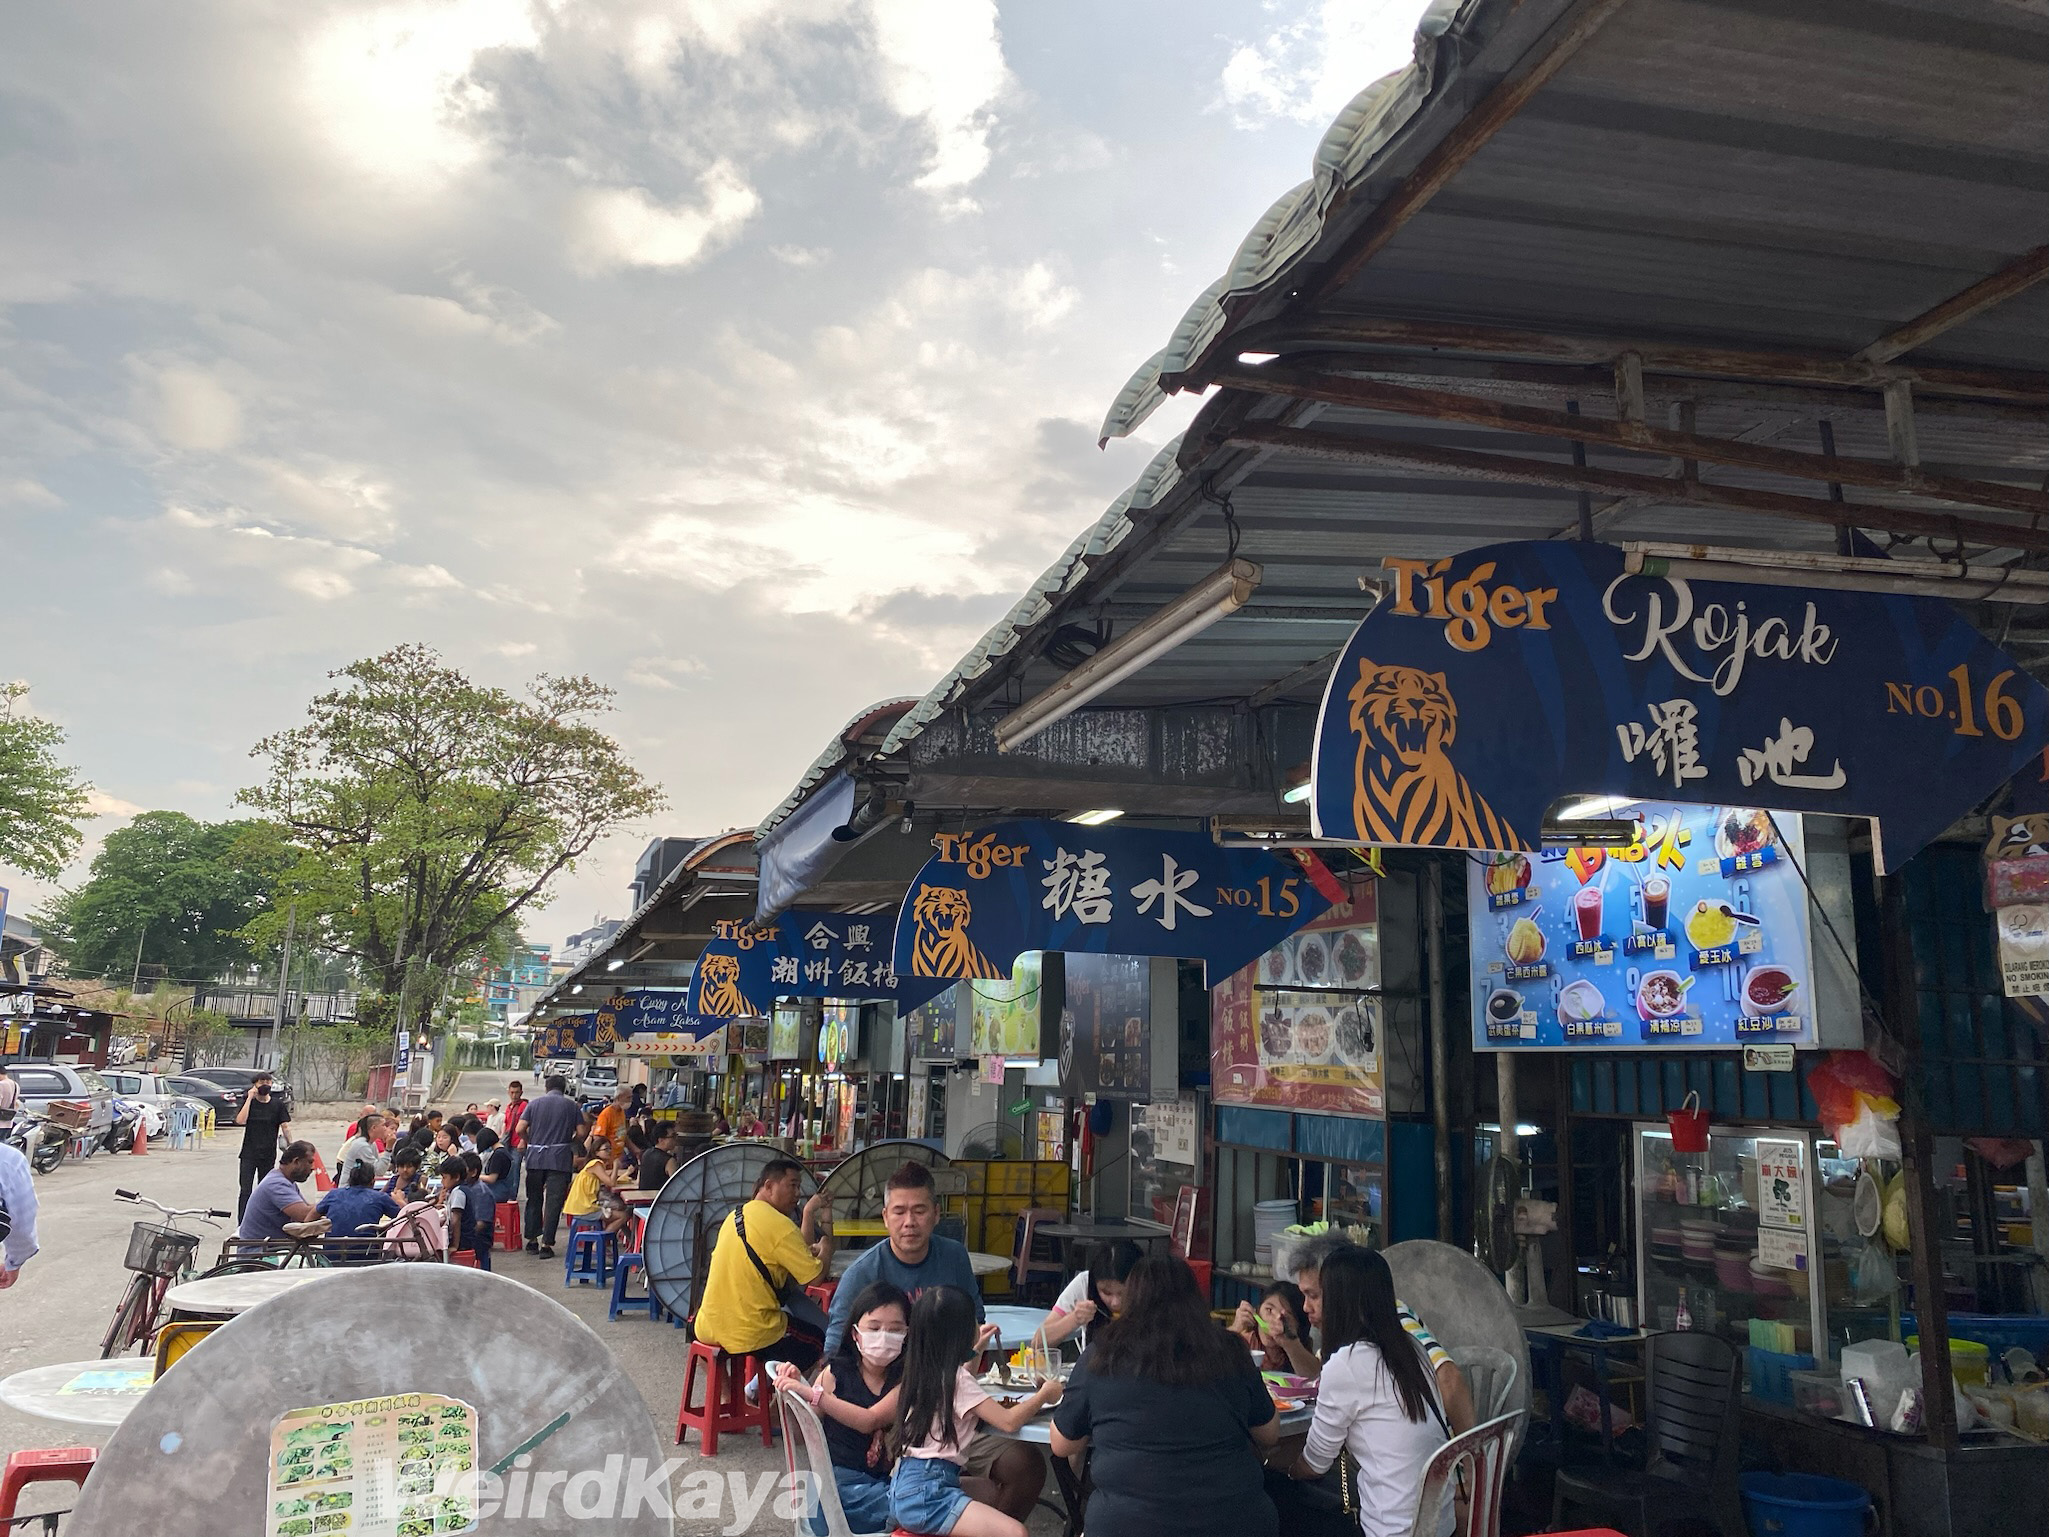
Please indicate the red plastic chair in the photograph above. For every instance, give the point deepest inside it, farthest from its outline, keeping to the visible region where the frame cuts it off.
(49, 1465)
(507, 1225)
(725, 1410)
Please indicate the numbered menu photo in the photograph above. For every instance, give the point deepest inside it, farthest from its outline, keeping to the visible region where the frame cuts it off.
(1695, 934)
(401, 1466)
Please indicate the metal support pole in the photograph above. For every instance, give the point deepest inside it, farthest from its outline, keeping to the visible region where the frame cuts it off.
(1931, 1305)
(284, 971)
(1440, 1043)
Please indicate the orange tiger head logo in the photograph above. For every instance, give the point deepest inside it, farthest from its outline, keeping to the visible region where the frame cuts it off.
(1403, 713)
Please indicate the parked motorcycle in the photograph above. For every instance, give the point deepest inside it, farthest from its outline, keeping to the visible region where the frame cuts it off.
(40, 1141)
(120, 1135)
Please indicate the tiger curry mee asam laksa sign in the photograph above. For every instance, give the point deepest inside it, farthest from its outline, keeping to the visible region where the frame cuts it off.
(1487, 686)
(986, 896)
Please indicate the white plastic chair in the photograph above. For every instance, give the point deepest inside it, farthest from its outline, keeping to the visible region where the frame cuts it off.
(802, 1428)
(1486, 1450)
(1491, 1374)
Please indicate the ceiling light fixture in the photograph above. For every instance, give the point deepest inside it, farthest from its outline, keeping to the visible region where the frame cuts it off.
(1298, 795)
(1226, 590)
(1095, 818)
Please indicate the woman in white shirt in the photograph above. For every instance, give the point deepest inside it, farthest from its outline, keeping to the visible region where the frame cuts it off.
(1375, 1400)
(1097, 1292)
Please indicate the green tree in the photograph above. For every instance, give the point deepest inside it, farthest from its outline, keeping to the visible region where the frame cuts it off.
(431, 810)
(185, 889)
(41, 800)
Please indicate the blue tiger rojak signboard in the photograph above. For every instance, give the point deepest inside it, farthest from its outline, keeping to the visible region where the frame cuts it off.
(745, 968)
(1489, 685)
(988, 896)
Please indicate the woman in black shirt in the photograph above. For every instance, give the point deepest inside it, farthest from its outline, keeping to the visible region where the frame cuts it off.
(1175, 1413)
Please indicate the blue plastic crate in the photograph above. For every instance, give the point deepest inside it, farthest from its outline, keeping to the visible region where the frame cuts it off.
(1998, 1332)
(1770, 1377)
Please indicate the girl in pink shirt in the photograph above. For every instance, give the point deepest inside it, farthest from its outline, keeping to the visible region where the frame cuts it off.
(942, 1405)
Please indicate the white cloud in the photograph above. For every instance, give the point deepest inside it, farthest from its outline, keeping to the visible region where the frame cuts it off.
(101, 804)
(390, 87)
(24, 492)
(943, 62)
(625, 227)
(662, 671)
(1306, 69)
(192, 409)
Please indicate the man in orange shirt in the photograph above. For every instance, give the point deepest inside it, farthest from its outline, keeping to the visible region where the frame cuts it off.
(611, 1126)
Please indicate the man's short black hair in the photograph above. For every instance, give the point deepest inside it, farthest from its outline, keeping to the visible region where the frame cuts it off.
(912, 1175)
(776, 1169)
(557, 1084)
(406, 1154)
(297, 1150)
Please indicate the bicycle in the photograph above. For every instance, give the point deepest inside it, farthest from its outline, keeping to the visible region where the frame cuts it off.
(159, 1256)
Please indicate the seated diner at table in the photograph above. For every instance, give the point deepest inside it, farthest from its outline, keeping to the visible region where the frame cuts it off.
(942, 1409)
(761, 1247)
(1375, 1399)
(915, 1259)
(1308, 1261)
(1281, 1317)
(1095, 1294)
(856, 1399)
(1173, 1413)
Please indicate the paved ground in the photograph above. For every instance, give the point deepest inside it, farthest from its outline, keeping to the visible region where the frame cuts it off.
(59, 1309)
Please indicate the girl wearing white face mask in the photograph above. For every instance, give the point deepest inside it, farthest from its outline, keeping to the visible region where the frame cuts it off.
(856, 1397)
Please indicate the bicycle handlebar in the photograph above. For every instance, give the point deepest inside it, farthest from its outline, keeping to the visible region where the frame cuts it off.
(206, 1213)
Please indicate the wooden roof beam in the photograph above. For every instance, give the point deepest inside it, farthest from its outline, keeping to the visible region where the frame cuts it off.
(1654, 489)
(1480, 411)
(2015, 277)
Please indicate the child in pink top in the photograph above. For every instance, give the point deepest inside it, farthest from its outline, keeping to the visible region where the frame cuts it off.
(941, 1407)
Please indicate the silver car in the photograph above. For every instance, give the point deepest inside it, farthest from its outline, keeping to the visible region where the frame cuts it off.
(42, 1082)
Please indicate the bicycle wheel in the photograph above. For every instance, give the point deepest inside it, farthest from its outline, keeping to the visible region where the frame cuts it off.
(120, 1333)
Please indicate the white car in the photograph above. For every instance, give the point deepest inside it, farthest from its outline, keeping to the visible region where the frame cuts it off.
(150, 1090)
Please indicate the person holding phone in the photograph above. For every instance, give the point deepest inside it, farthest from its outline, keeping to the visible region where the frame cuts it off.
(266, 1122)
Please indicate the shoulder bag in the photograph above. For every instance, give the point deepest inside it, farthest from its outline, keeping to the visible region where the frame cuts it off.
(796, 1303)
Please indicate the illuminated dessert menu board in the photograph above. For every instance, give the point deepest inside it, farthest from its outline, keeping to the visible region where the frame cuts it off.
(1696, 935)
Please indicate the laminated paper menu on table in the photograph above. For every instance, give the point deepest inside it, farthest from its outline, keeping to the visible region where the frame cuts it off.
(401, 1466)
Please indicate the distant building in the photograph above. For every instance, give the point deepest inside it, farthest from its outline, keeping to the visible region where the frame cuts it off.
(514, 988)
(578, 948)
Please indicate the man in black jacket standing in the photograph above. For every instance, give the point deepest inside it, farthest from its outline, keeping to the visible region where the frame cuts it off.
(266, 1122)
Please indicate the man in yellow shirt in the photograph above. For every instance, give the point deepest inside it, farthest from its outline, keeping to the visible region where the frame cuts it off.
(742, 1311)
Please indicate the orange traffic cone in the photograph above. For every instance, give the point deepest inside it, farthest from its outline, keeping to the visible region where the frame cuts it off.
(321, 1178)
(141, 1138)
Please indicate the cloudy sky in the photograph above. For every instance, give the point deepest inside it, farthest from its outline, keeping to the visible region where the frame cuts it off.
(745, 354)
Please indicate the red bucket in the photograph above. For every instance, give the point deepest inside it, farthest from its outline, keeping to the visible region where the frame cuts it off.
(1689, 1125)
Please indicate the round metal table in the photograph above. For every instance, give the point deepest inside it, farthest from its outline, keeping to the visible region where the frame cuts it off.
(1018, 1324)
(226, 1296)
(80, 1392)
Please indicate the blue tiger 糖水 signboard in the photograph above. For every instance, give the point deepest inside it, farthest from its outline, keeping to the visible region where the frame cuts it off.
(986, 897)
(1487, 686)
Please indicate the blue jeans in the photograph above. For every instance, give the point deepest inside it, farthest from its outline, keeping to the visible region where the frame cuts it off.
(863, 1496)
(925, 1496)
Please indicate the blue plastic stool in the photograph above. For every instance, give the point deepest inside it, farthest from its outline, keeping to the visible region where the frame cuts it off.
(621, 1303)
(591, 1254)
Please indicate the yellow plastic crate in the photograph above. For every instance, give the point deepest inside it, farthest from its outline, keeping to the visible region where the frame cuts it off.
(999, 1233)
(1010, 1179)
(1050, 1179)
(977, 1173)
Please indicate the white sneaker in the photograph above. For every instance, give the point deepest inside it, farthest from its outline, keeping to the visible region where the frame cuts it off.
(753, 1390)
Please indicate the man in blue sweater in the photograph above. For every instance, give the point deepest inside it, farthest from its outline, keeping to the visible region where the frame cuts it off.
(1006, 1474)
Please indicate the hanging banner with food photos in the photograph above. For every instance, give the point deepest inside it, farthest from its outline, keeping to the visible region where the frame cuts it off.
(1488, 686)
(1300, 1028)
(1696, 935)
(989, 895)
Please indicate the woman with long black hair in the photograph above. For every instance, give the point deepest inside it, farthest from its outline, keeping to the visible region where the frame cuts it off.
(1376, 1398)
(1175, 1412)
(1096, 1294)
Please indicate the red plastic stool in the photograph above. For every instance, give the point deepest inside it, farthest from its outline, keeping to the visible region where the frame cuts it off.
(507, 1223)
(464, 1257)
(1201, 1267)
(725, 1410)
(51, 1465)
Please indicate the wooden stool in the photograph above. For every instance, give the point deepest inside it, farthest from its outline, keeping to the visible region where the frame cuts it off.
(725, 1409)
(50, 1465)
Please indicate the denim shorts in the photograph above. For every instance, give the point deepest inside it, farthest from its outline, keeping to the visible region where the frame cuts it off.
(863, 1496)
(925, 1496)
